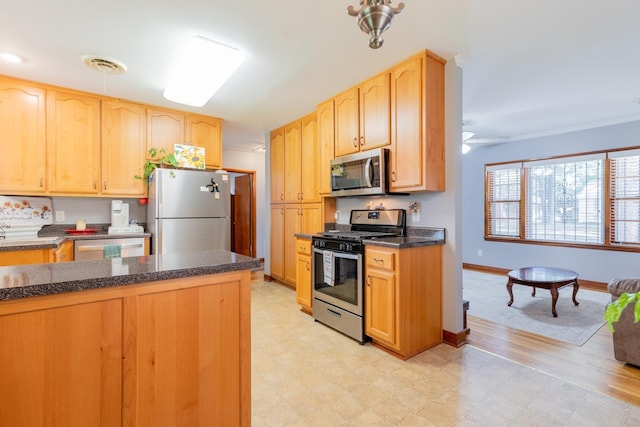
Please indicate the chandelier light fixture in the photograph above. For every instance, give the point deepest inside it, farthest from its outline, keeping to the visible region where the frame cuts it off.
(374, 17)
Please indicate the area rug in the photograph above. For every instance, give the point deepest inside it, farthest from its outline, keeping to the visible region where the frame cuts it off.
(487, 295)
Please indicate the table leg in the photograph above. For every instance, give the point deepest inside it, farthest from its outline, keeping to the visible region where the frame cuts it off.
(509, 286)
(576, 286)
(554, 299)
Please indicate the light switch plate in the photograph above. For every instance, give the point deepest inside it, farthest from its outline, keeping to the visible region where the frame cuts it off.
(59, 216)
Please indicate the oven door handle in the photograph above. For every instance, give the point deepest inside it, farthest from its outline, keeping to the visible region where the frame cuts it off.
(336, 253)
(368, 171)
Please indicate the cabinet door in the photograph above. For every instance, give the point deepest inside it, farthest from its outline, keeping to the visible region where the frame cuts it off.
(380, 305)
(311, 218)
(188, 369)
(203, 131)
(64, 253)
(22, 132)
(347, 138)
(123, 148)
(277, 241)
(292, 168)
(309, 155)
(325, 145)
(64, 366)
(276, 149)
(375, 113)
(165, 129)
(73, 142)
(303, 281)
(292, 225)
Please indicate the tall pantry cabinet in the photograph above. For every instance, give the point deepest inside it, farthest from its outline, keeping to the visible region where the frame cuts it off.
(296, 205)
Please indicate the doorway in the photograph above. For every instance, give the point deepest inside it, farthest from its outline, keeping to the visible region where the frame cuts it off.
(243, 212)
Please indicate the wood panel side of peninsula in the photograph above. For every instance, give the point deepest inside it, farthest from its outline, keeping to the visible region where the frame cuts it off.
(172, 352)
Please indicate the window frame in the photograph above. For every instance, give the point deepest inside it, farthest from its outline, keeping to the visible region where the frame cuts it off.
(607, 203)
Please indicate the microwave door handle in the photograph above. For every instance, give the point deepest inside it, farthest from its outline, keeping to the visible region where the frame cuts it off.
(367, 172)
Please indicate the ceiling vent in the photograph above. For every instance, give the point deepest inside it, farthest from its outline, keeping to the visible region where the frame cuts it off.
(104, 65)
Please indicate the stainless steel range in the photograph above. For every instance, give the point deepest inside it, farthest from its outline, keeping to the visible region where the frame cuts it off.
(337, 269)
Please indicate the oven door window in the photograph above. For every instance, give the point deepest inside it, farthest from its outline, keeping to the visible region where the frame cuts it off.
(346, 278)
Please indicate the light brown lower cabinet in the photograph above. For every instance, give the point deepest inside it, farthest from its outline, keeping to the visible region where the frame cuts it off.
(175, 352)
(403, 298)
(304, 281)
(28, 256)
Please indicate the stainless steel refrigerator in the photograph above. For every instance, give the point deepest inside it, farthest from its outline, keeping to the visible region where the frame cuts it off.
(188, 211)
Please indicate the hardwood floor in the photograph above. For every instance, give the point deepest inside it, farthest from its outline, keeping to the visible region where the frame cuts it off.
(592, 366)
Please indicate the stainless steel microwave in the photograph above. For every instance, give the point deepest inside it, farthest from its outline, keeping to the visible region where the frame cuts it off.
(360, 174)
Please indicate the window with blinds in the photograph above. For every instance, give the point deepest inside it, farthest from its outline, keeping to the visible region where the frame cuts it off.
(586, 199)
(503, 200)
(624, 189)
(564, 200)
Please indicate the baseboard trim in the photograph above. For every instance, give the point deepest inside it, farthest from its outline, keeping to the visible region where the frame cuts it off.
(279, 282)
(455, 339)
(584, 284)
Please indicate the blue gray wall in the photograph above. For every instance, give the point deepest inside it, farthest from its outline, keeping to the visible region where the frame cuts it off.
(591, 264)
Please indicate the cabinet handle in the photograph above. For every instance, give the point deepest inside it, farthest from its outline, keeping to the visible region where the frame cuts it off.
(95, 185)
(368, 282)
(301, 196)
(355, 142)
(393, 176)
(379, 260)
(308, 266)
(105, 185)
(40, 182)
(362, 140)
(281, 196)
(281, 211)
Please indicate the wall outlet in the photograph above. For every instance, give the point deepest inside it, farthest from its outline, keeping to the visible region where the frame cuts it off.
(336, 215)
(479, 252)
(59, 216)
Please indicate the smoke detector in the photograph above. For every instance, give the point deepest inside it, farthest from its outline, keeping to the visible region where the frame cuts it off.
(104, 64)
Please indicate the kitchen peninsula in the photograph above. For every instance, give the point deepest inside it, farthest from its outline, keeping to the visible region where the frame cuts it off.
(136, 341)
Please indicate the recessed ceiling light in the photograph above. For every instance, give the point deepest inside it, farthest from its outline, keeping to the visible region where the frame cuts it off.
(203, 70)
(11, 57)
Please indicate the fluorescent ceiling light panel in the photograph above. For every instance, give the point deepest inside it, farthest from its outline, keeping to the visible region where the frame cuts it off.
(203, 70)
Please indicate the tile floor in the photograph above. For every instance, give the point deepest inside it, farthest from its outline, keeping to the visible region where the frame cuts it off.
(305, 374)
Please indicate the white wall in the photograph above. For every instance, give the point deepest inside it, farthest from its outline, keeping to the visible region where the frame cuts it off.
(438, 209)
(94, 210)
(591, 264)
(252, 161)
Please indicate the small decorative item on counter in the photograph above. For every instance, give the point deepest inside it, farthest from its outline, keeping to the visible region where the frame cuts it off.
(370, 206)
(379, 207)
(81, 225)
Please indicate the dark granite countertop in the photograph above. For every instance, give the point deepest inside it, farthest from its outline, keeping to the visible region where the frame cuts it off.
(305, 235)
(416, 237)
(22, 281)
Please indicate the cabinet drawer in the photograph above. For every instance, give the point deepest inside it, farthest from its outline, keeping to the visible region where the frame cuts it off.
(380, 259)
(303, 246)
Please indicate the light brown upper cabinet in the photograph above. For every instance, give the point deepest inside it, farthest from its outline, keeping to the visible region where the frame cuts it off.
(73, 142)
(417, 124)
(203, 131)
(292, 167)
(123, 148)
(276, 150)
(309, 155)
(326, 140)
(164, 129)
(22, 132)
(362, 116)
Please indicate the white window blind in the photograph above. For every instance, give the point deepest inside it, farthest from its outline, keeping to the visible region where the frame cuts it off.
(564, 200)
(503, 200)
(625, 198)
